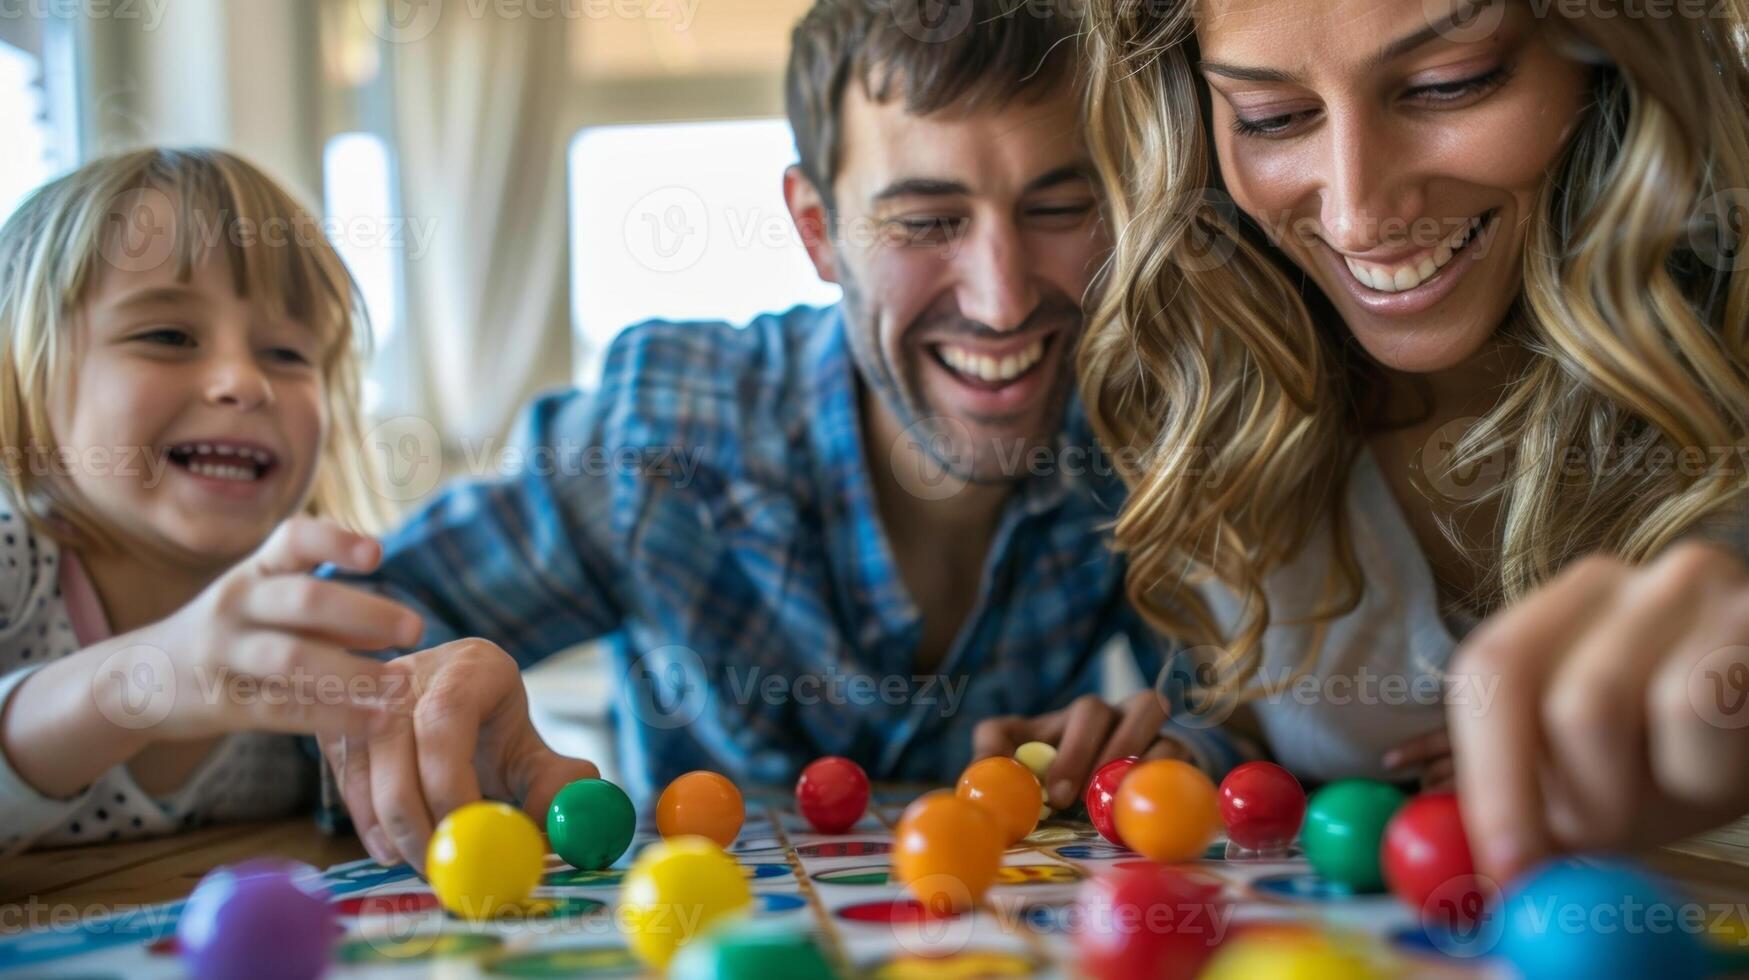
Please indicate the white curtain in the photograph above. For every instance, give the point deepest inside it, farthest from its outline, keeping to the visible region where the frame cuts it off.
(481, 157)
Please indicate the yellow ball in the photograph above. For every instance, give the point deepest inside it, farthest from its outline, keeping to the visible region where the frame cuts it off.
(1037, 757)
(1291, 953)
(485, 859)
(677, 889)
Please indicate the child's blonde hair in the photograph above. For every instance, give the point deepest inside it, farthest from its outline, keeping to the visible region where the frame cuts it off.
(50, 251)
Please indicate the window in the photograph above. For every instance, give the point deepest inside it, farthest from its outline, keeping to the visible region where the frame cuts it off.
(24, 116)
(681, 221)
(357, 189)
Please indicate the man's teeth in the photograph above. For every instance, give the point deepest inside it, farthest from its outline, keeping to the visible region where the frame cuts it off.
(1405, 276)
(242, 474)
(987, 368)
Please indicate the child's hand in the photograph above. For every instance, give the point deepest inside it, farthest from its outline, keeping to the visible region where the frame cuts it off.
(1088, 734)
(468, 733)
(266, 647)
(1606, 711)
(1426, 756)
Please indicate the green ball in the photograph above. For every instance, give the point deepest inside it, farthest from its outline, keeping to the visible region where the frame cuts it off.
(1345, 823)
(590, 824)
(750, 949)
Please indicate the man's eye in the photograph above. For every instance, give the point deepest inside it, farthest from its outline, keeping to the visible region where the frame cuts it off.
(928, 231)
(1062, 210)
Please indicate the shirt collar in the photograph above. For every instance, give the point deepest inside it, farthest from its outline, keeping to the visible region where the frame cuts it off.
(858, 543)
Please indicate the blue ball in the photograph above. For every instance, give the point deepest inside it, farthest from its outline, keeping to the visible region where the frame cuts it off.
(1600, 921)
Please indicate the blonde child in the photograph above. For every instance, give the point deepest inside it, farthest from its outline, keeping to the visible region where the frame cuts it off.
(179, 420)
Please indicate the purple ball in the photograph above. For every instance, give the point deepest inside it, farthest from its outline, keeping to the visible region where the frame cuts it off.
(257, 919)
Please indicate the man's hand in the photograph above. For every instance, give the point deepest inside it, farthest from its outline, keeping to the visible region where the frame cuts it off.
(1606, 710)
(1088, 734)
(1427, 757)
(466, 732)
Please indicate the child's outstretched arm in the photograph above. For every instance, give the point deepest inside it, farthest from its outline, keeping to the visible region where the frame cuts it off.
(1605, 711)
(263, 648)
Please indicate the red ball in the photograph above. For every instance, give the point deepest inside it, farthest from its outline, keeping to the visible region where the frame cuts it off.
(832, 794)
(1262, 805)
(1101, 791)
(1149, 921)
(1427, 863)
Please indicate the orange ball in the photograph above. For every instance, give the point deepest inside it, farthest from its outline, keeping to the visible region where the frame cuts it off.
(1007, 790)
(702, 803)
(1167, 810)
(946, 850)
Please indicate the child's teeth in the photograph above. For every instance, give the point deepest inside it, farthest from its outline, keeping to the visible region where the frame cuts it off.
(218, 471)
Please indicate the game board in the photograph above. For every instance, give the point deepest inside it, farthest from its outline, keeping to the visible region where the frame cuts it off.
(835, 886)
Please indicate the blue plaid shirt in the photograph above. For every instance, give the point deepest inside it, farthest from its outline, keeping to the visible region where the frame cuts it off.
(710, 510)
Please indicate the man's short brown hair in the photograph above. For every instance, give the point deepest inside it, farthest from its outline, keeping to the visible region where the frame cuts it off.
(935, 54)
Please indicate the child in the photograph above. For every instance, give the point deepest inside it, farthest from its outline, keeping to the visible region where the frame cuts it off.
(179, 378)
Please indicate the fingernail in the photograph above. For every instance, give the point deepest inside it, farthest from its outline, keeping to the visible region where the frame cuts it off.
(411, 629)
(377, 843)
(364, 553)
(1062, 794)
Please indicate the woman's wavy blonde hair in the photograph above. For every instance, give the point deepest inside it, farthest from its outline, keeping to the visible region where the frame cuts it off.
(52, 250)
(1242, 401)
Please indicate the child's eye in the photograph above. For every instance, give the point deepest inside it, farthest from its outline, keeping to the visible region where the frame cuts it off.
(288, 355)
(167, 336)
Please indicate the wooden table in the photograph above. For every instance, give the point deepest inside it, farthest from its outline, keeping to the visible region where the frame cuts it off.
(88, 881)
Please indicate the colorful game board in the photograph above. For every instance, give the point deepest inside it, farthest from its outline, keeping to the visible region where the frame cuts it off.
(836, 887)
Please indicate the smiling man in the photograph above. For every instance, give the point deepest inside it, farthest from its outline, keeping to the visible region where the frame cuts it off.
(893, 531)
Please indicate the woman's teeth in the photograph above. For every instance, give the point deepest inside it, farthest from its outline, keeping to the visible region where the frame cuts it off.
(987, 368)
(1403, 276)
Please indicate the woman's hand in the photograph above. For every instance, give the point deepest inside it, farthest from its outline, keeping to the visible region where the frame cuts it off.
(1606, 711)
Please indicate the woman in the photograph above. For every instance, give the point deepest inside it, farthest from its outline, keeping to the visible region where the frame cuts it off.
(1424, 314)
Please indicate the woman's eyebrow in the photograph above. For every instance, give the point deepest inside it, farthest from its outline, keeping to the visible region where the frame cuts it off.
(1434, 31)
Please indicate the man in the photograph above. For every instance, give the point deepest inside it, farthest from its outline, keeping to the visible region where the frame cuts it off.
(854, 531)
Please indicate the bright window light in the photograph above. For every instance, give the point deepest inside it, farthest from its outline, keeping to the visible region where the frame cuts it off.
(23, 117)
(681, 221)
(357, 192)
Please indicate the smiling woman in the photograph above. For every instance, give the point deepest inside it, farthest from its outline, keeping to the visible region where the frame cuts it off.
(1413, 305)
